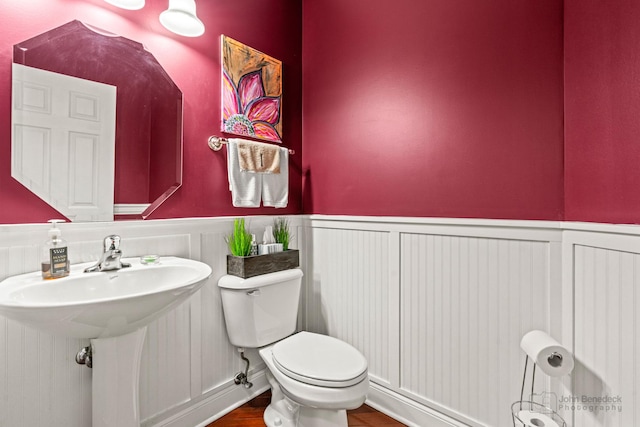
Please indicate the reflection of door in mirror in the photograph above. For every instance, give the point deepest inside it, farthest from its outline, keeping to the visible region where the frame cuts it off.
(63, 141)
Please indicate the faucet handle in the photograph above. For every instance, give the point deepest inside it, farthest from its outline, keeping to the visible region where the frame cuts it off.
(112, 243)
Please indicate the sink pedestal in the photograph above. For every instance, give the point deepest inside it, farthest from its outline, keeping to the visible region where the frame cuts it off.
(116, 379)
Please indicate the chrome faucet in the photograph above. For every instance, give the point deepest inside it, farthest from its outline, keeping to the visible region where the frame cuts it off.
(110, 259)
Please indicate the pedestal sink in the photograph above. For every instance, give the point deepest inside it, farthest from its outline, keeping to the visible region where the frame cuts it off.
(112, 309)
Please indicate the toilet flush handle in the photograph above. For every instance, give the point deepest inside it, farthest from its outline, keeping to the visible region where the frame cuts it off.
(254, 293)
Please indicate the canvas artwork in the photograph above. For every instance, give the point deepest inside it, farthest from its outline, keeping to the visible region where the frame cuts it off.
(251, 92)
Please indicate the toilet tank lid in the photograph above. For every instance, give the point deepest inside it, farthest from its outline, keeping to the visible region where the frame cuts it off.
(235, 282)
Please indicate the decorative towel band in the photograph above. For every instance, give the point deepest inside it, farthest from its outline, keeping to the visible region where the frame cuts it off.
(258, 157)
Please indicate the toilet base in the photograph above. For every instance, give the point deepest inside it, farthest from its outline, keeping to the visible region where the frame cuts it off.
(273, 418)
(311, 417)
(306, 417)
(284, 412)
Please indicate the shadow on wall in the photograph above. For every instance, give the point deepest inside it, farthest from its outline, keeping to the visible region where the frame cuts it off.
(588, 384)
(321, 326)
(307, 193)
(313, 313)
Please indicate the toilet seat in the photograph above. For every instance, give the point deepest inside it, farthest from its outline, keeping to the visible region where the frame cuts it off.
(319, 360)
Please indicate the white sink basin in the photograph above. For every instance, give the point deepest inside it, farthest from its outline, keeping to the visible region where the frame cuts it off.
(101, 304)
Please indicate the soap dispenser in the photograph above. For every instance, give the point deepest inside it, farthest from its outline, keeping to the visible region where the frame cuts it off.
(55, 258)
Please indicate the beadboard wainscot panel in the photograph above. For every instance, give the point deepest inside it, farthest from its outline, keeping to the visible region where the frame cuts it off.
(604, 277)
(466, 303)
(212, 361)
(447, 302)
(214, 341)
(164, 375)
(348, 293)
(188, 364)
(40, 383)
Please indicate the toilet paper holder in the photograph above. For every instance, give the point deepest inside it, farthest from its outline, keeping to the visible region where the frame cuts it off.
(555, 359)
(528, 413)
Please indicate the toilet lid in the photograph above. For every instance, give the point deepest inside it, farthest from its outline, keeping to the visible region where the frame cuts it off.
(319, 360)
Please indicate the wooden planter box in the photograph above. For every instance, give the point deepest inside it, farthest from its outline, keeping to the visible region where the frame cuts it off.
(249, 266)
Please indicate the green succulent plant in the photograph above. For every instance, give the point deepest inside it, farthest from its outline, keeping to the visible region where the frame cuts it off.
(281, 232)
(239, 241)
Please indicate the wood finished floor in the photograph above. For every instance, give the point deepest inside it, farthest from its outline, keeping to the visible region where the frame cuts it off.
(250, 415)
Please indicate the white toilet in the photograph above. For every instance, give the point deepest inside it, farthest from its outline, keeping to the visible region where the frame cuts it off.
(314, 378)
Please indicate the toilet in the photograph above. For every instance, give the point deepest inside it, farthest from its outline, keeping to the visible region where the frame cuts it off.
(314, 378)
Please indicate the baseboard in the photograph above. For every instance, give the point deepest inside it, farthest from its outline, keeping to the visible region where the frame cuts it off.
(231, 396)
(407, 411)
(219, 403)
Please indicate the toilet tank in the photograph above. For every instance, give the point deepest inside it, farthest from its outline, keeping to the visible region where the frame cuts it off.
(262, 309)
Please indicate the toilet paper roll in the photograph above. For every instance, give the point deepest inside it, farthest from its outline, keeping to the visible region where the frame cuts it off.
(536, 419)
(547, 353)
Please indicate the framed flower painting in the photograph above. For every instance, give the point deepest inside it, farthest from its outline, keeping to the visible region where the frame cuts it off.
(251, 92)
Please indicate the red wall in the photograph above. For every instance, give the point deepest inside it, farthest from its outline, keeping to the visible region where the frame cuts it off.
(433, 108)
(602, 108)
(271, 26)
(411, 107)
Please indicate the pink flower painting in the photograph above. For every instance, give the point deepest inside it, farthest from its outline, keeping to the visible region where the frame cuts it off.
(251, 92)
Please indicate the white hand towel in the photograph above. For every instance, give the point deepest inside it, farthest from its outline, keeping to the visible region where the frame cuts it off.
(246, 187)
(275, 187)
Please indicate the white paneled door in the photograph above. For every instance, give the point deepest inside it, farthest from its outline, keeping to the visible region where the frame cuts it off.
(63, 141)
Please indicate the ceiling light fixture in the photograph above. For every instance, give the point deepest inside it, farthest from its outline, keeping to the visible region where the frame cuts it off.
(127, 4)
(181, 18)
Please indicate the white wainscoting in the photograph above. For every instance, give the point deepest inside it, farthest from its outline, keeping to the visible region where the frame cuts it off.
(602, 278)
(188, 364)
(438, 306)
(466, 303)
(347, 293)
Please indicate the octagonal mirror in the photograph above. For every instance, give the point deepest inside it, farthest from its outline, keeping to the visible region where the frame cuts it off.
(129, 113)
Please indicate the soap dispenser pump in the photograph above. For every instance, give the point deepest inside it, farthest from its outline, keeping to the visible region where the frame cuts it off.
(55, 257)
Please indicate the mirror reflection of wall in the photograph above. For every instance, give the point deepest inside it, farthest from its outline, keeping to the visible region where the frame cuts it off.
(148, 135)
